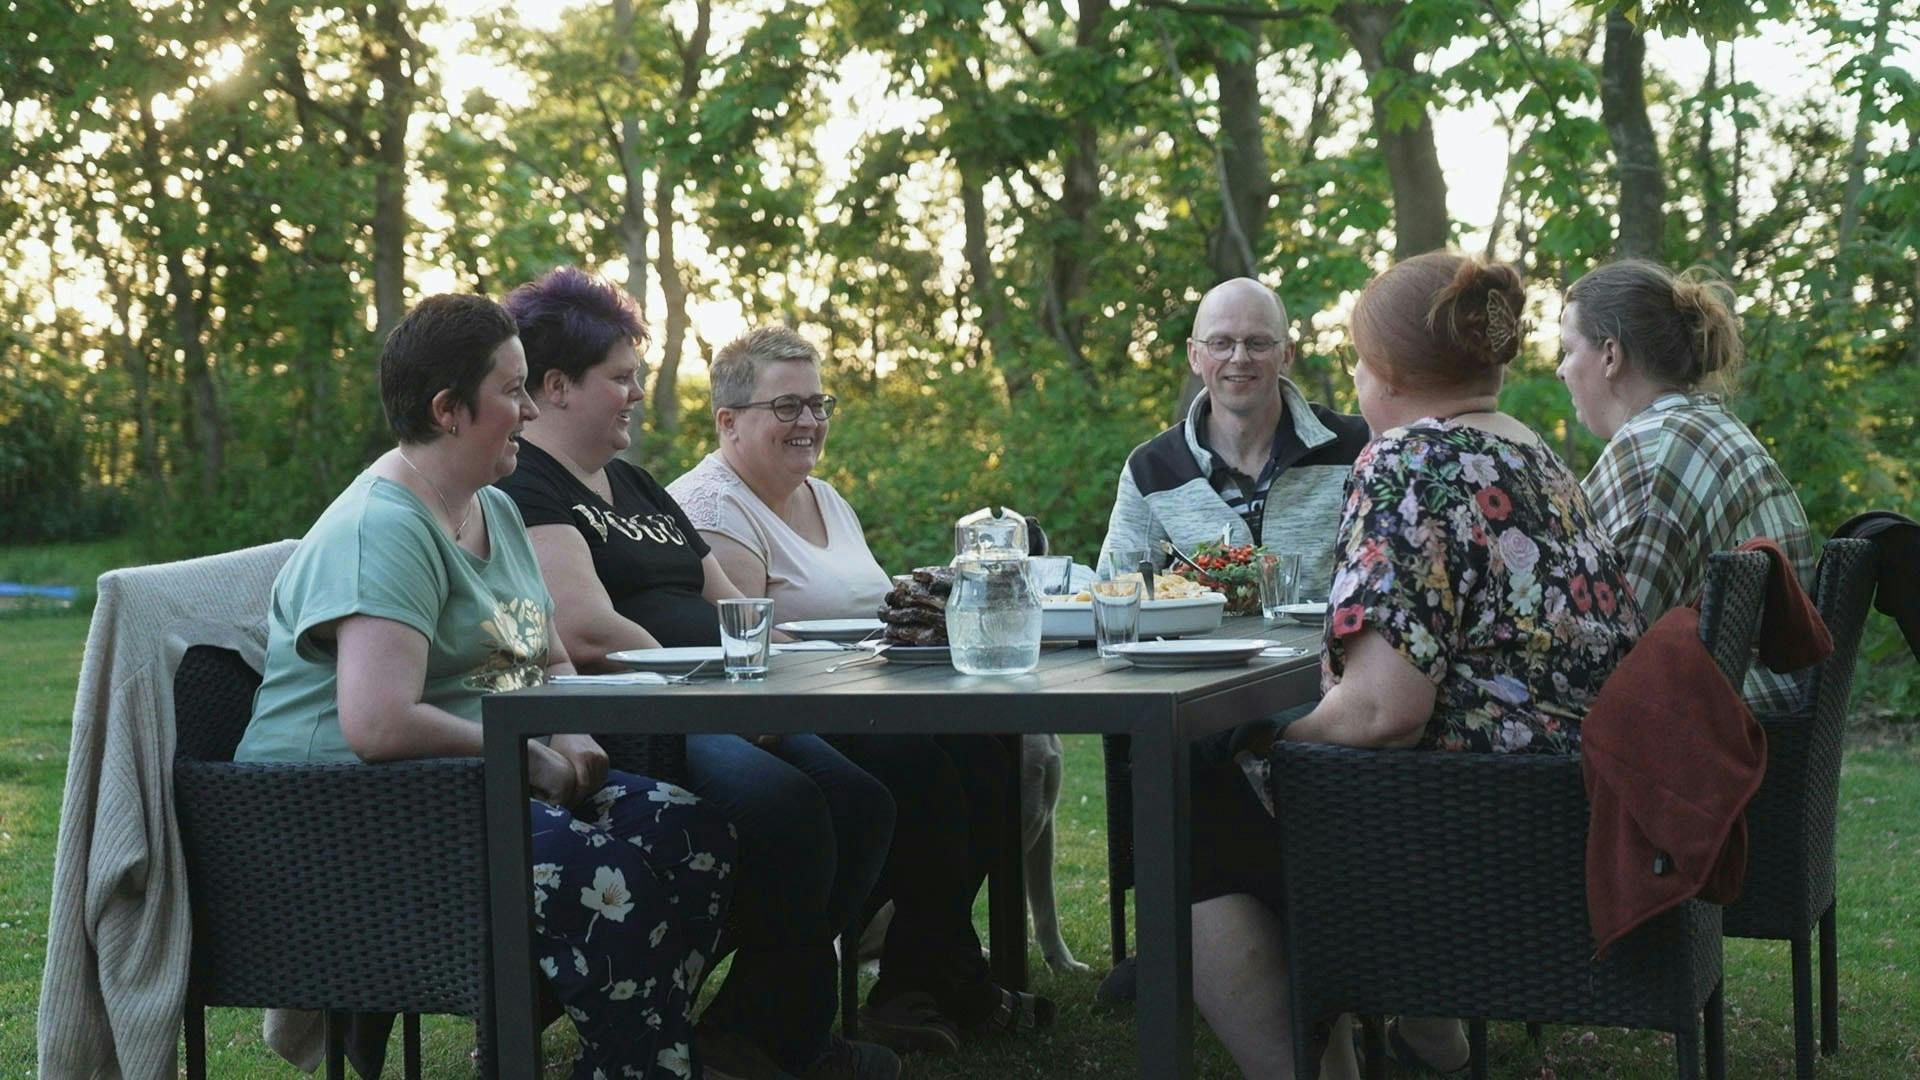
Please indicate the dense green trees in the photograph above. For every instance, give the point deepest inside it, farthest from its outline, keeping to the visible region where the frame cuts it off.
(996, 216)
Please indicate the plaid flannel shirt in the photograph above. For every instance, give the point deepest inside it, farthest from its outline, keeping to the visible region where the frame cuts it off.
(1680, 481)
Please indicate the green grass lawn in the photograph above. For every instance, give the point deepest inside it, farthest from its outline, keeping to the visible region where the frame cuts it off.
(1879, 927)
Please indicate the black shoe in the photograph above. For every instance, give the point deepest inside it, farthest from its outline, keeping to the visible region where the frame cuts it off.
(910, 1023)
(726, 1056)
(848, 1060)
(1120, 985)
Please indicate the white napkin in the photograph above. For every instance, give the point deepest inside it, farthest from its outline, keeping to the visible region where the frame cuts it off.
(619, 678)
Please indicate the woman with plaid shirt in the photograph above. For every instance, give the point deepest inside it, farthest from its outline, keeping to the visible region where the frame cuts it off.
(1681, 476)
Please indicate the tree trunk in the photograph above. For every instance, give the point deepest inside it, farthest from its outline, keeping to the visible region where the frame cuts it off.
(633, 202)
(1863, 129)
(207, 427)
(1246, 180)
(984, 284)
(1420, 222)
(673, 287)
(1636, 153)
(140, 377)
(391, 49)
(1712, 229)
(1068, 270)
(666, 383)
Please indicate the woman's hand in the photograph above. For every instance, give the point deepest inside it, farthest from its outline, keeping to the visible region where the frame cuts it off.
(551, 775)
(589, 761)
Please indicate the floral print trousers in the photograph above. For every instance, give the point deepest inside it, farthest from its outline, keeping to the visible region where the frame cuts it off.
(628, 893)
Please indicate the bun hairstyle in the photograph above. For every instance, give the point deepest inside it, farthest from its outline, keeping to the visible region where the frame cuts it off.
(1679, 329)
(1442, 322)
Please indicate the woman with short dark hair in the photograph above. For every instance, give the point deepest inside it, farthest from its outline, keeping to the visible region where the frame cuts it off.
(628, 570)
(414, 596)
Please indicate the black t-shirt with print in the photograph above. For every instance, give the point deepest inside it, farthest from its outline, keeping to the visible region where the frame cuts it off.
(645, 551)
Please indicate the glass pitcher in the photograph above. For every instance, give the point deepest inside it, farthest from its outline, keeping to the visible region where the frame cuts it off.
(993, 615)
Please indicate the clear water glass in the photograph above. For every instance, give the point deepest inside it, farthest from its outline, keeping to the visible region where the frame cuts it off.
(1052, 575)
(1116, 614)
(746, 636)
(1279, 583)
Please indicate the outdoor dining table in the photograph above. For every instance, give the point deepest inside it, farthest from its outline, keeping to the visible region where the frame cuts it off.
(1073, 691)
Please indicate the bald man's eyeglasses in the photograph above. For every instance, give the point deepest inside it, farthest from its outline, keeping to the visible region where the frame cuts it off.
(1221, 347)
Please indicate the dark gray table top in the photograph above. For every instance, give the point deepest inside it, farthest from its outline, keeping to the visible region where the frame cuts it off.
(908, 696)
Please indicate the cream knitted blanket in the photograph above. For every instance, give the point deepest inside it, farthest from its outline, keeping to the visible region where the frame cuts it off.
(118, 929)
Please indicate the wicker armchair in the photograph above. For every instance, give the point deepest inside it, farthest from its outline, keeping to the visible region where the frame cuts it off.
(1790, 823)
(309, 890)
(1455, 884)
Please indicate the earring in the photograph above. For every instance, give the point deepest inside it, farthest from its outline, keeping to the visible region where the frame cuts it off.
(454, 430)
(562, 403)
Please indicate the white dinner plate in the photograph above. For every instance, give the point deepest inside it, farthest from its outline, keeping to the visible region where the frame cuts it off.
(1072, 620)
(918, 654)
(675, 661)
(1306, 614)
(831, 629)
(1207, 652)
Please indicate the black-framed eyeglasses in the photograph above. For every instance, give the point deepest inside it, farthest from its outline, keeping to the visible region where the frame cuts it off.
(786, 408)
(1221, 347)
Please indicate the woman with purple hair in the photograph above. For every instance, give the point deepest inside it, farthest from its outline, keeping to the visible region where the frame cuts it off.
(628, 570)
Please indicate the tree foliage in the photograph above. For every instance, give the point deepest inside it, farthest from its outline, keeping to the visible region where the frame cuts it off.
(995, 217)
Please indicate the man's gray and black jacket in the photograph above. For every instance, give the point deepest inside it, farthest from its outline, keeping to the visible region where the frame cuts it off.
(1165, 491)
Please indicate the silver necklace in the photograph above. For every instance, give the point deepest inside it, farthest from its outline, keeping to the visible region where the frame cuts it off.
(441, 495)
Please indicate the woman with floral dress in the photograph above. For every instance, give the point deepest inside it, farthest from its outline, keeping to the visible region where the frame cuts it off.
(415, 595)
(1476, 605)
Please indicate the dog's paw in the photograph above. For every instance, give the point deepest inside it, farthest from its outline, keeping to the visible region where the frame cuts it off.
(1064, 963)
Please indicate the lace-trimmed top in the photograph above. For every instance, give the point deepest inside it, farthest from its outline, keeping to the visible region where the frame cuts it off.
(841, 580)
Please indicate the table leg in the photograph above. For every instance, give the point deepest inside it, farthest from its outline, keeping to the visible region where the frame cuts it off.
(516, 1032)
(1162, 913)
(1007, 886)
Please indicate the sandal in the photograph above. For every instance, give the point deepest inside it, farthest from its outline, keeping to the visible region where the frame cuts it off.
(1408, 1060)
(1014, 1013)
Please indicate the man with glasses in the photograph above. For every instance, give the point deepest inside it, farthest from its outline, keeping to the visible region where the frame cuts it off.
(1251, 441)
(1257, 462)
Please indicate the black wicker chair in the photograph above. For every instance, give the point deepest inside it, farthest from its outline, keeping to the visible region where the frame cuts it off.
(1790, 823)
(1455, 885)
(310, 891)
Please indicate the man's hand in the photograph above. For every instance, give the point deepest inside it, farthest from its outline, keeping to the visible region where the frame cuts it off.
(589, 761)
(551, 775)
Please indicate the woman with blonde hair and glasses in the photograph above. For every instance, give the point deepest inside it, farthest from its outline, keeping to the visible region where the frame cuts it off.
(1645, 355)
(784, 533)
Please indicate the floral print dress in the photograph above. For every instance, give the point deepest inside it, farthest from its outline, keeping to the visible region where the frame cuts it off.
(1477, 558)
(628, 891)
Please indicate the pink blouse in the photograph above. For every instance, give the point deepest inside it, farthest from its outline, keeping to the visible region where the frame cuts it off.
(841, 580)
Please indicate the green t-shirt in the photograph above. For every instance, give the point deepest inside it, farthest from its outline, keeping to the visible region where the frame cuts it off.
(378, 551)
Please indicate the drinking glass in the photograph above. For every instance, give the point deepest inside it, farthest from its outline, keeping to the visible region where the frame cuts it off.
(1116, 614)
(1052, 575)
(1123, 561)
(1279, 583)
(746, 636)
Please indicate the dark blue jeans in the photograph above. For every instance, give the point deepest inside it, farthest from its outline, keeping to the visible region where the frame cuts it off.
(949, 789)
(814, 830)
